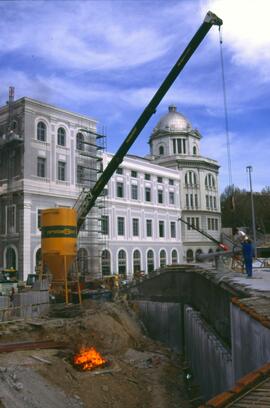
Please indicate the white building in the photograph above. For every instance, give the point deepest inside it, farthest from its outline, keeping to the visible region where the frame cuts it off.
(44, 161)
(143, 208)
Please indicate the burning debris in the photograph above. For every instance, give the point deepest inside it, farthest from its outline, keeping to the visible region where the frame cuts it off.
(89, 359)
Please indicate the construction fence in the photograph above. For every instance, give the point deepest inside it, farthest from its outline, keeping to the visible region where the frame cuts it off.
(25, 305)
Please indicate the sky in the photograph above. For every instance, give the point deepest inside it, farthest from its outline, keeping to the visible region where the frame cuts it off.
(106, 59)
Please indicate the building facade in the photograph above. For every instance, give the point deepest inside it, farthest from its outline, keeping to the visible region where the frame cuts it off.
(175, 144)
(48, 156)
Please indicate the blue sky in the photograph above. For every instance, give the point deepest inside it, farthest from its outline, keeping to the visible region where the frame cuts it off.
(106, 58)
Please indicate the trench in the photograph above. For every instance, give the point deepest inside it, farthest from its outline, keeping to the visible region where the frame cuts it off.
(197, 314)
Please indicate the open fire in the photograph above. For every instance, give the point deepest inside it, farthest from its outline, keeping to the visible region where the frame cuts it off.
(88, 359)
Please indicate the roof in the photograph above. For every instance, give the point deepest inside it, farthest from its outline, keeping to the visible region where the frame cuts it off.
(173, 121)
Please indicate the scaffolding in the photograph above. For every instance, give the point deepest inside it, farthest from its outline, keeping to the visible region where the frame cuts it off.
(11, 143)
(91, 240)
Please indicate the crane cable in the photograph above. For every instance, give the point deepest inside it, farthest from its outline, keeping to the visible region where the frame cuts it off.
(225, 112)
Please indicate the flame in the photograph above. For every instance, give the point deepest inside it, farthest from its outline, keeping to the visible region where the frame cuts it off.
(88, 359)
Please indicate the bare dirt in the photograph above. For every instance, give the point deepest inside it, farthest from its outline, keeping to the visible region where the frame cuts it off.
(140, 373)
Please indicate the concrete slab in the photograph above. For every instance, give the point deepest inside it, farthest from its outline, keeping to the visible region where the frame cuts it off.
(260, 280)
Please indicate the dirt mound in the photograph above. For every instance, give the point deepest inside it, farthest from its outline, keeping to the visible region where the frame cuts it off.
(140, 373)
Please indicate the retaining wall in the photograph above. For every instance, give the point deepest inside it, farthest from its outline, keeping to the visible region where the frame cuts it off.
(250, 341)
(210, 360)
(167, 327)
(223, 337)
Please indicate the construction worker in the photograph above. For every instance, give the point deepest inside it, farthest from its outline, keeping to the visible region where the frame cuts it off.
(238, 236)
(248, 254)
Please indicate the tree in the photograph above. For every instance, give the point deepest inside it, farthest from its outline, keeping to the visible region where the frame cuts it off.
(236, 208)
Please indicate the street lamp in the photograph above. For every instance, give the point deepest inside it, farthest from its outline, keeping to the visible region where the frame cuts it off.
(249, 170)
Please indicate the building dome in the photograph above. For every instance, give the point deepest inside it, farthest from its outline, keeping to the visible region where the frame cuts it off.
(173, 121)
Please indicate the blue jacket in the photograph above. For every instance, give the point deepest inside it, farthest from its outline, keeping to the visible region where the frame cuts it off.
(247, 250)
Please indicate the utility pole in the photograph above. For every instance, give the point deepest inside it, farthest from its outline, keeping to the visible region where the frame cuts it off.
(249, 170)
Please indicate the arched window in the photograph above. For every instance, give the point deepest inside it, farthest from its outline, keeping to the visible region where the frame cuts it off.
(82, 259)
(194, 150)
(210, 181)
(161, 150)
(136, 261)
(41, 131)
(61, 137)
(174, 257)
(79, 141)
(106, 262)
(11, 260)
(190, 178)
(190, 255)
(150, 261)
(38, 261)
(162, 258)
(198, 252)
(122, 262)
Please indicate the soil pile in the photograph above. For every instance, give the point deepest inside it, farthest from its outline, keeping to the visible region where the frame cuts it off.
(140, 373)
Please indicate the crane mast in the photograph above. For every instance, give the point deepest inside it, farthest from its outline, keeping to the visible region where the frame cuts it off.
(92, 195)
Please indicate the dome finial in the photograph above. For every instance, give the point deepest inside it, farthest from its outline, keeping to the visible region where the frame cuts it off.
(172, 108)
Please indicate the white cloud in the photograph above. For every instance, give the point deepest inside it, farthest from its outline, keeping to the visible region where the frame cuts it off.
(245, 31)
(80, 35)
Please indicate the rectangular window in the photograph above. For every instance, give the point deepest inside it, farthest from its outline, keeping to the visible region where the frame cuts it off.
(119, 170)
(215, 203)
(179, 147)
(211, 202)
(104, 192)
(195, 221)
(171, 197)
(80, 174)
(174, 146)
(207, 201)
(105, 224)
(38, 218)
(216, 224)
(119, 189)
(213, 224)
(134, 192)
(173, 229)
(196, 200)
(159, 179)
(209, 223)
(171, 182)
(147, 176)
(11, 219)
(135, 227)
(191, 200)
(41, 167)
(187, 201)
(133, 173)
(121, 225)
(147, 194)
(160, 196)
(161, 229)
(149, 228)
(61, 171)
(184, 146)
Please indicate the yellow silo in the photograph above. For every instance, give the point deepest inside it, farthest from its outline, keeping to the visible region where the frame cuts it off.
(59, 244)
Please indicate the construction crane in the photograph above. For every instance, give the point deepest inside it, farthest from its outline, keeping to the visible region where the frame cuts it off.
(91, 196)
(65, 223)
